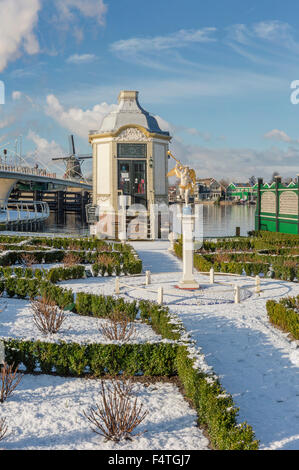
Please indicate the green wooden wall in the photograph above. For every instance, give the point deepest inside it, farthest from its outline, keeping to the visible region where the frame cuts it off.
(277, 208)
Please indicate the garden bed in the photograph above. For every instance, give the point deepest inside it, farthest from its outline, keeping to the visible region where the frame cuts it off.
(47, 413)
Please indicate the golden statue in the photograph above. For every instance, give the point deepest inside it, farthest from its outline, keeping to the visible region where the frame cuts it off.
(187, 176)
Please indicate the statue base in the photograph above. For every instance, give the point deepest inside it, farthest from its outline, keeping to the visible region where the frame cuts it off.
(188, 285)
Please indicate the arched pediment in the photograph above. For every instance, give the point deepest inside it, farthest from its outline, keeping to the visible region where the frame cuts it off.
(133, 134)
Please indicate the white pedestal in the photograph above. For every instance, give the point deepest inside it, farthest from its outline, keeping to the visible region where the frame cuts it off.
(122, 218)
(188, 281)
(172, 237)
(154, 221)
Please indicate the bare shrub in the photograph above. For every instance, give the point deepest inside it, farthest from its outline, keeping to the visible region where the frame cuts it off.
(73, 246)
(9, 380)
(118, 414)
(3, 428)
(47, 316)
(27, 260)
(118, 326)
(71, 259)
(222, 257)
(106, 259)
(289, 263)
(107, 247)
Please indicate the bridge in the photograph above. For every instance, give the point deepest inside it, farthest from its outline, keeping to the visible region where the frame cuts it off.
(10, 175)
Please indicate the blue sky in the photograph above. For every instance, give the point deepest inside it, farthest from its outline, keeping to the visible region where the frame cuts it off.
(217, 74)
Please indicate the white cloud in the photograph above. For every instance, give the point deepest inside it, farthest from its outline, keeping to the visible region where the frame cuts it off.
(203, 135)
(16, 95)
(7, 121)
(235, 164)
(17, 22)
(44, 152)
(280, 136)
(149, 51)
(19, 18)
(263, 41)
(77, 120)
(78, 59)
(273, 31)
(96, 9)
(175, 40)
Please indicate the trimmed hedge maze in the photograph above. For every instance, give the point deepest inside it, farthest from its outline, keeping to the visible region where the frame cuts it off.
(274, 255)
(216, 410)
(285, 314)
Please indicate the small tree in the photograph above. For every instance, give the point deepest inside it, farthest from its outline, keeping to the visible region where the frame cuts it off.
(118, 414)
(3, 428)
(252, 180)
(71, 259)
(47, 316)
(118, 326)
(9, 380)
(27, 260)
(274, 174)
(107, 261)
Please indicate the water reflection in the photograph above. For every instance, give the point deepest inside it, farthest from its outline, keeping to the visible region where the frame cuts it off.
(72, 225)
(218, 221)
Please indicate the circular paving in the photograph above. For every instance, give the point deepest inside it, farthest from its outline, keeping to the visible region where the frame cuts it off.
(207, 294)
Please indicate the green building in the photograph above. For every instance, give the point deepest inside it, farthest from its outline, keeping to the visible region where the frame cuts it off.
(277, 208)
(241, 191)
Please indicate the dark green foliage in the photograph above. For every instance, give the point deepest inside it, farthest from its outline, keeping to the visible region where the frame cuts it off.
(159, 319)
(284, 314)
(253, 255)
(87, 250)
(70, 359)
(103, 305)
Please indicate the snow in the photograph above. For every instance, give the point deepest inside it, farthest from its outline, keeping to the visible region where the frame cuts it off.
(256, 363)
(53, 417)
(16, 321)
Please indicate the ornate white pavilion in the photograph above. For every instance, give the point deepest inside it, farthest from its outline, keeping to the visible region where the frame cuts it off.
(129, 156)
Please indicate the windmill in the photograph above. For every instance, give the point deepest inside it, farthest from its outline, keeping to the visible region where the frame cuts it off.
(73, 161)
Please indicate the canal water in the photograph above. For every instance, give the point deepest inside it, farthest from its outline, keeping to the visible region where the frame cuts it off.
(221, 221)
(218, 221)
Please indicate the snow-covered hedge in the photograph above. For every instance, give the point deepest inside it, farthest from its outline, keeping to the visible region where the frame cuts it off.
(82, 304)
(282, 267)
(285, 314)
(121, 258)
(103, 305)
(71, 359)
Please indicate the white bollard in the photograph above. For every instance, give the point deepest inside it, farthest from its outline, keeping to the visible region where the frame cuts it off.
(160, 295)
(147, 278)
(117, 285)
(212, 274)
(237, 294)
(257, 284)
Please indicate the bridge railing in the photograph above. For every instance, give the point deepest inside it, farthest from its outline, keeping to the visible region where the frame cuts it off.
(26, 170)
(23, 210)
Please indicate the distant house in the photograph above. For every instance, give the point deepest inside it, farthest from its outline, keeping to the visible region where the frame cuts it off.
(209, 188)
(172, 193)
(241, 191)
